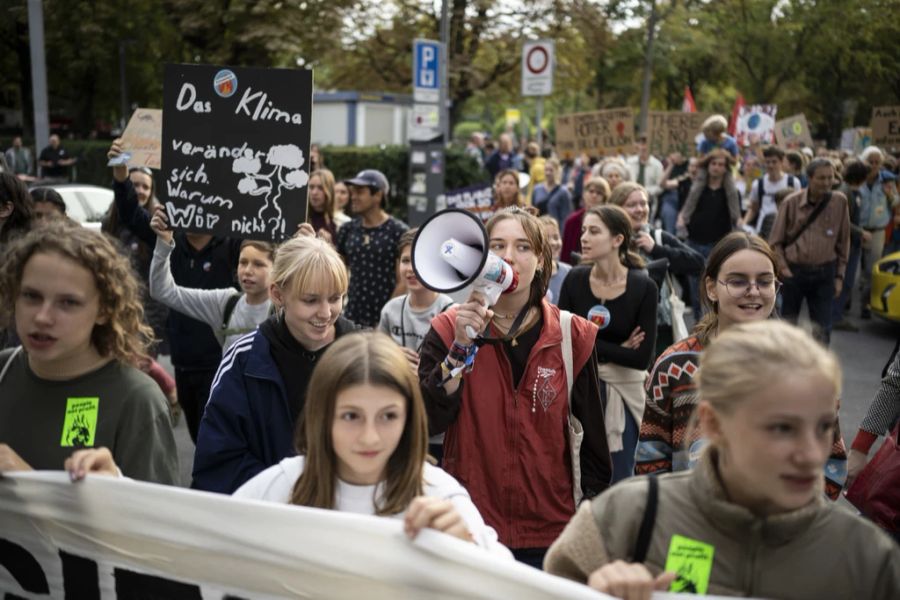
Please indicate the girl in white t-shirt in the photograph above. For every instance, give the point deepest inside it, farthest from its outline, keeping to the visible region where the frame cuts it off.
(361, 442)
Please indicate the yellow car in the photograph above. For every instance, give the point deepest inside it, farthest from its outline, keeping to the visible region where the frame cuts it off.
(885, 297)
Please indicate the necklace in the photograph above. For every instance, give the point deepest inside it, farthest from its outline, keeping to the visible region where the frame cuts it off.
(517, 326)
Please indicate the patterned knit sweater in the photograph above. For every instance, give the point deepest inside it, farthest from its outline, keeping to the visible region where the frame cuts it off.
(671, 397)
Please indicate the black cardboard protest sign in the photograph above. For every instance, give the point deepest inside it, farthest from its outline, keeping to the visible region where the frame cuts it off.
(235, 156)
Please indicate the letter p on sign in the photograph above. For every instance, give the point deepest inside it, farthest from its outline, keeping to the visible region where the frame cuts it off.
(426, 71)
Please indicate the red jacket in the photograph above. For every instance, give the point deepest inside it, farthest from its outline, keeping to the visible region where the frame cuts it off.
(514, 462)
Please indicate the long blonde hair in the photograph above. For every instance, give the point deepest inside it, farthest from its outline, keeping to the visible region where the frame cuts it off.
(123, 334)
(358, 359)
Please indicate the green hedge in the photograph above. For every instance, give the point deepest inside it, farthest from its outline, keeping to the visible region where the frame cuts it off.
(91, 166)
(344, 161)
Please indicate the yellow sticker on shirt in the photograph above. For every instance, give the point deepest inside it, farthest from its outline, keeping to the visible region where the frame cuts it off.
(80, 424)
(692, 561)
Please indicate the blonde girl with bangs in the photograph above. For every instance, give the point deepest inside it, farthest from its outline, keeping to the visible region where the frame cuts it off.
(260, 388)
(75, 382)
(751, 513)
(361, 447)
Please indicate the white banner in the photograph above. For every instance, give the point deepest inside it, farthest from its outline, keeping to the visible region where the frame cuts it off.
(106, 538)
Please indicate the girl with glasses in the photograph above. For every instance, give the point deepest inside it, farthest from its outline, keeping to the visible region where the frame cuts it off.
(740, 286)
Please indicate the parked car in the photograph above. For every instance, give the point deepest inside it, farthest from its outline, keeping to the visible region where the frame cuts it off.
(885, 297)
(85, 203)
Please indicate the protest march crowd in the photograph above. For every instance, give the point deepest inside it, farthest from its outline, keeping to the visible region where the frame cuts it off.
(576, 425)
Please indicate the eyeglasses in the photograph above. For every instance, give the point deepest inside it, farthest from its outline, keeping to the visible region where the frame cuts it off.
(738, 288)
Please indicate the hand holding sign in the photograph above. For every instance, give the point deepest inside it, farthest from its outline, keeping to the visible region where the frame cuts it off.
(118, 160)
(160, 225)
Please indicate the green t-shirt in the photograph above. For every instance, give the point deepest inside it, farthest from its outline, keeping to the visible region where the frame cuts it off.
(116, 406)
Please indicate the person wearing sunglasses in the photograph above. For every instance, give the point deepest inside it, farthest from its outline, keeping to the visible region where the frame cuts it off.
(740, 285)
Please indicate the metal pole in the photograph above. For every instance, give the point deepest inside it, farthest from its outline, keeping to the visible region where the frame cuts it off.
(445, 70)
(38, 75)
(540, 116)
(123, 86)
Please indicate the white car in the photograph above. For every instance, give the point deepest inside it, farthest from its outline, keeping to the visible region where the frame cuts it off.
(85, 203)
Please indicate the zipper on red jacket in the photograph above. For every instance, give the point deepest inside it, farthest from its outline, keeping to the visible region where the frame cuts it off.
(515, 448)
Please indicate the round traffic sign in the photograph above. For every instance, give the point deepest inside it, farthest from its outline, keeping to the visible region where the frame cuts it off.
(537, 59)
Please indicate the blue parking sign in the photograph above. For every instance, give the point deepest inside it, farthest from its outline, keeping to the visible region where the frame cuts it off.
(426, 70)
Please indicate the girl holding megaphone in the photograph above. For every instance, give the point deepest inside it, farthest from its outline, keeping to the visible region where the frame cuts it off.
(506, 411)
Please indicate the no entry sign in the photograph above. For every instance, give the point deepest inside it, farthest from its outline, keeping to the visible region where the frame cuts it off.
(537, 68)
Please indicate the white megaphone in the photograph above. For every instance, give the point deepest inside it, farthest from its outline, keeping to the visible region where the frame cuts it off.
(451, 251)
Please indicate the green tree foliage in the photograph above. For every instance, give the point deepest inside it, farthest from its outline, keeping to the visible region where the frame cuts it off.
(831, 59)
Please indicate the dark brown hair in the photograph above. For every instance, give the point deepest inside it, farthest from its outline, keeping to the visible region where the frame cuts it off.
(619, 223)
(13, 191)
(729, 245)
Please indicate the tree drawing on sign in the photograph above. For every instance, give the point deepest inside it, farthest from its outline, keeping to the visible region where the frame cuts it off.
(285, 161)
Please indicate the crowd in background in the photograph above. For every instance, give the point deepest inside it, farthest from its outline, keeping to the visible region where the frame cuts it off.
(582, 383)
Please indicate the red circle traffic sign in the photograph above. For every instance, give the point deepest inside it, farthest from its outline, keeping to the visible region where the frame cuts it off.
(544, 59)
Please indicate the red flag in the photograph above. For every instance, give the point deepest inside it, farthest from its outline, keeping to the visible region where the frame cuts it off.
(735, 114)
(688, 104)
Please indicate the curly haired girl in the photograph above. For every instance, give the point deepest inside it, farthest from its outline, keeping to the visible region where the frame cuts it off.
(75, 378)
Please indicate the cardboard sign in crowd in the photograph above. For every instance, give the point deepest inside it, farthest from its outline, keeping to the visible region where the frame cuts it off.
(598, 133)
(235, 149)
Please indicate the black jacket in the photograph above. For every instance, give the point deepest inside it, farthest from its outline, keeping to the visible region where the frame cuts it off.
(192, 342)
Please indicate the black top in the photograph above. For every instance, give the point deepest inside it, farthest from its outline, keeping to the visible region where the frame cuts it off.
(711, 221)
(192, 342)
(371, 255)
(296, 363)
(54, 156)
(635, 307)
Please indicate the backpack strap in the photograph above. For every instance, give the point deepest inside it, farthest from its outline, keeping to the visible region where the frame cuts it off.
(13, 353)
(790, 239)
(229, 309)
(648, 522)
(760, 189)
(565, 323)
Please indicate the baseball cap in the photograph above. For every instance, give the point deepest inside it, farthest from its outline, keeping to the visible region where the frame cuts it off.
(370, 178)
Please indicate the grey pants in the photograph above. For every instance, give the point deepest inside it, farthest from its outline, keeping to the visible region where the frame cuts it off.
(871, 252)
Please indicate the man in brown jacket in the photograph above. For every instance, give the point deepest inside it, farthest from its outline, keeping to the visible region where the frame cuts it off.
(811, 239)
